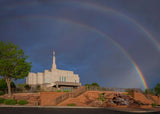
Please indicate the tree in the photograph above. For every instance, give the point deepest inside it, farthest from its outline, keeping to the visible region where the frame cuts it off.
(13, 63)
(27, 87)
(95, 84)
(87, 85)
(156, 89)
(3, 84)
(21, 85)
(149, 91)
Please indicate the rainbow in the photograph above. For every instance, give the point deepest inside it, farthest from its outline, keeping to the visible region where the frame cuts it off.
(125, 17)
(98, 8)
(137, 69)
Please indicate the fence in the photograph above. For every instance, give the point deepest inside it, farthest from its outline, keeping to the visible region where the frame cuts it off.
(19, 90)
(95, 88)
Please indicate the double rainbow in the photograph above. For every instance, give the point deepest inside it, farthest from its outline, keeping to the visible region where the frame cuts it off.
(105, 10)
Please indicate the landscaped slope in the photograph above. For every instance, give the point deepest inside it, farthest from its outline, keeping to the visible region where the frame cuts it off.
(84, 99)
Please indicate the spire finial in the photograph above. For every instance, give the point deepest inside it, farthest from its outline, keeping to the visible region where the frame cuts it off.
(53, 53)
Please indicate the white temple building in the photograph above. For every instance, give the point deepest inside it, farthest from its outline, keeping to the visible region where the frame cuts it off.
(54, 78)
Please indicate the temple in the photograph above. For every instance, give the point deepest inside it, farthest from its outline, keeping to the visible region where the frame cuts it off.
(54, 78)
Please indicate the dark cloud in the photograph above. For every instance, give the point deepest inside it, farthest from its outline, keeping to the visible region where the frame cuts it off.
(35, 28)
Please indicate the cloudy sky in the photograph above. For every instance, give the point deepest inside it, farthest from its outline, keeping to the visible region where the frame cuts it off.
(97, 39)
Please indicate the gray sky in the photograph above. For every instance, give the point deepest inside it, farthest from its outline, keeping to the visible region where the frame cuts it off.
(76, 29)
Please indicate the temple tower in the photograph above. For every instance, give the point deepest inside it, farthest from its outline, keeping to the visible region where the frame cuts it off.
(54, 61)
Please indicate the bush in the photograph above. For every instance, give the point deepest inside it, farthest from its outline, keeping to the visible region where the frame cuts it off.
(153, 104)
(58, 90)
(38, 87)
(72, 104)
(27, 87)
(22, 102)
(102, 97)
(1, 93)
(21, 85)
(2, 100)
(10, 101)
(66, 91)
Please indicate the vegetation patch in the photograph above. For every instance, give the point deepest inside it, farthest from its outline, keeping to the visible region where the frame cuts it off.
(153, 104)
(1, 93)
(66, 91)
(102, 97)
(2, 100)
(93, 86)
(27, 87)
(72, 104)
(10, 102)
(58, 90)
(22, 102)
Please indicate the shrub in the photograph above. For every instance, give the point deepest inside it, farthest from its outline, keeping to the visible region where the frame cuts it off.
(21, 85)
(66, 91)
(58, 90)
(27, 87)
(153, 104)
(22, 102)
(102, 97)
(38, 87)
(1, 93)
(2, 100)
(10, 101)
(72, 104)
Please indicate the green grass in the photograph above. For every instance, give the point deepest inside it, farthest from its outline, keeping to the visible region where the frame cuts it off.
(66, 91)
(153, 104)
(72, 104)
(58, 90)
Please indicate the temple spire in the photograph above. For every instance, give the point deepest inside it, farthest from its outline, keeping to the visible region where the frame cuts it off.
(53, 53)
(54, 61)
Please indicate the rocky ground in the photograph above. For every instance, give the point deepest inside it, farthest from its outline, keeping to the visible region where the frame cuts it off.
(119, 100)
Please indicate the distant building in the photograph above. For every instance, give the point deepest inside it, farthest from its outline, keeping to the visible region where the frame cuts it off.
(55, 78)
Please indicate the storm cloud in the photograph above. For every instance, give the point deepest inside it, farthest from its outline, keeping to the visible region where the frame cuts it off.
(42, 26)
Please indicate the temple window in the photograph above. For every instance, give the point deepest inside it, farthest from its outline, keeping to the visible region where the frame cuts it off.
(60, 79)
(47, 80)
(64, 79)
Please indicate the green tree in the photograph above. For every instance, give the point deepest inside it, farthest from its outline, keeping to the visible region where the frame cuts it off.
(21, 85)
(13, 63)
(149, 91)
(3, 84)
(95, 84)
(27, 87)
(87, 85)
(156, 89)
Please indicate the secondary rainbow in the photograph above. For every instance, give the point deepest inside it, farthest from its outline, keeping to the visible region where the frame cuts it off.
(97, 7)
